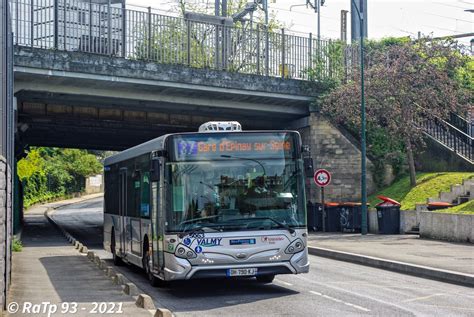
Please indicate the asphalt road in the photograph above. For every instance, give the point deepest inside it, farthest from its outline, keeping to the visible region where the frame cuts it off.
(332, 288)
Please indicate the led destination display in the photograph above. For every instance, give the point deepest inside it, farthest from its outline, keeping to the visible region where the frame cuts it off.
(226, 145)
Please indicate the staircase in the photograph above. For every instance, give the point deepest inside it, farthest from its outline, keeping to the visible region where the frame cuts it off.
(458, 194)
(452, 135)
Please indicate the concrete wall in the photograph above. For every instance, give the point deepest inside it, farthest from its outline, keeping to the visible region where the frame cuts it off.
(334, 151)
(444, 226)
(94, 184)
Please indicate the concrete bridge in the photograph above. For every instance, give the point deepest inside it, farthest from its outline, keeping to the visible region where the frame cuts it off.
(93, 101)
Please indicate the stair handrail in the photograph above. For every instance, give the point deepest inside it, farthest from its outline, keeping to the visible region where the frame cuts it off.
(455, 128)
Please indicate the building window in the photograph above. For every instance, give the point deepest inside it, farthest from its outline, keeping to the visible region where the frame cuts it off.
(81, 18)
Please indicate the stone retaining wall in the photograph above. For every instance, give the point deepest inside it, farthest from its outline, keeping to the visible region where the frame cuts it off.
(334, 151)
(5, 228)
(444, 226)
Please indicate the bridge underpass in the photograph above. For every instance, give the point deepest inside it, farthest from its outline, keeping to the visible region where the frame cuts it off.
(65, 99)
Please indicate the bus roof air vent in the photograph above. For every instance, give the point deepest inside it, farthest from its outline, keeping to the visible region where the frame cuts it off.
(220, 126)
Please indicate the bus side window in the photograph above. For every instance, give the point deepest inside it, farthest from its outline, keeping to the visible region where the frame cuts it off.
(145, 195)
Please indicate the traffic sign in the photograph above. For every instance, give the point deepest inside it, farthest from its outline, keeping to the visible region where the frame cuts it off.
(322, 177)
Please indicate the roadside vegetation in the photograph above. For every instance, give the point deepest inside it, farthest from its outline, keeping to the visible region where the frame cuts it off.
(406, 83)
(465, 209)
(17, 246)
(51, 173)
(428, 185)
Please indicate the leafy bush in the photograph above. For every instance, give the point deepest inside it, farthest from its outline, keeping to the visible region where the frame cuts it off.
(51, 173)
(17, 246)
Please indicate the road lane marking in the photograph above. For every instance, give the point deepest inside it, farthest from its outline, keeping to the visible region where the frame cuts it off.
(283, 282)
(340, 301)
(422, 298)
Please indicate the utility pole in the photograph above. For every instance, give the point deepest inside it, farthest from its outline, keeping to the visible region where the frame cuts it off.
(363, 165)
(344, 26)
(217, 10)
(224, 8)
(358, 19)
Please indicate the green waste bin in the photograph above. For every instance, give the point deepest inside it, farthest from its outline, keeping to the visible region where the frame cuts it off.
(388, 215)
(333, 217)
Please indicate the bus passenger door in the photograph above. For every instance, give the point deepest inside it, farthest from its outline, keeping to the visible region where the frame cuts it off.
(122, 208)
(156, 220)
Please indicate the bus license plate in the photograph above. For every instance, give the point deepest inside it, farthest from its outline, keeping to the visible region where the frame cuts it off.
(242, 272)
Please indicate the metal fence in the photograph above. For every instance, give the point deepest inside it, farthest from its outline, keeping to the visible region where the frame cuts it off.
(453, 138)
(142, 34)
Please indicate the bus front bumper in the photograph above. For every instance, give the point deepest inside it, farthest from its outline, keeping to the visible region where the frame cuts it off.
(181, 269)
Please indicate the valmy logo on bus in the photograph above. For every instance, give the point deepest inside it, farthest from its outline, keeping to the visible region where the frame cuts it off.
(209, 242)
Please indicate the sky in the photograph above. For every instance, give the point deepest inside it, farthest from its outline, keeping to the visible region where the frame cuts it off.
(385, 17)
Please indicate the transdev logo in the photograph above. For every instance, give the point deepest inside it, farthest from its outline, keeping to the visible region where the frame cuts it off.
(271, 239)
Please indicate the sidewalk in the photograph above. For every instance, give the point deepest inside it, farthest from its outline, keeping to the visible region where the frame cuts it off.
(410, 250)
(49, 269)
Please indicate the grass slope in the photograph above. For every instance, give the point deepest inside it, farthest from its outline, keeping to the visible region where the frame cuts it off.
(428, 185)
(466, 208)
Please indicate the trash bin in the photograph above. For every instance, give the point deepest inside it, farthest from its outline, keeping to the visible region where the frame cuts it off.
(315, 216)
(351, 217)
(438, 205)
(333, 217)
(388, 215)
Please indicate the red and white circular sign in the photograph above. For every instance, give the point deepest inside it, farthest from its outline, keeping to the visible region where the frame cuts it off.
(322, 177)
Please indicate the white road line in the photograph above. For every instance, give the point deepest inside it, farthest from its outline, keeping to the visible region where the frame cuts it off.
(340, 301)
(422, 298)
(283, 282)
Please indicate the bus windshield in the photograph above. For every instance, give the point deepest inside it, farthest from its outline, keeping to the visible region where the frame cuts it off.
(222, 191)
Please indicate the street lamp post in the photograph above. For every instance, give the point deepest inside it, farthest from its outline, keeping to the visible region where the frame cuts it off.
(363, 151)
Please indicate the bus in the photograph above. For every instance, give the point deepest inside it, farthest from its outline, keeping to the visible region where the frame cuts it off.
(220, 202)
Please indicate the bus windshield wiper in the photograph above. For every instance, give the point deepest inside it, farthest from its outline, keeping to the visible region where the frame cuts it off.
(280, 224)
(197, 229)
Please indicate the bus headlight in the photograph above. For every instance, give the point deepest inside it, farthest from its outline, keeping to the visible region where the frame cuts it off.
(184, 252)
(295, 247)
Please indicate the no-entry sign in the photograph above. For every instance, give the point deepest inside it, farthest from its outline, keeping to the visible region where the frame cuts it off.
(322, 177)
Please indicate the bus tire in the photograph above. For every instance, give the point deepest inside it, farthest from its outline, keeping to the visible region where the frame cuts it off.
(116, 259)
(154, 281)
(265, 278)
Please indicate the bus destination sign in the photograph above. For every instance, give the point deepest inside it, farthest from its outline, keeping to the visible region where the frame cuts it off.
(259, 145)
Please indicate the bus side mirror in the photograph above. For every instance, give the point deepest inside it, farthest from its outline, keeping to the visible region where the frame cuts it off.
(155, 170)
(308, 166)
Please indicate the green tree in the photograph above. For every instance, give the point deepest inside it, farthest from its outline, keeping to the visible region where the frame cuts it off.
(51, 172)
(406, 83)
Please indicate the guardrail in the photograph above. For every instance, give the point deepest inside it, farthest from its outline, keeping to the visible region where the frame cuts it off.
(142, 34)
(453, 138)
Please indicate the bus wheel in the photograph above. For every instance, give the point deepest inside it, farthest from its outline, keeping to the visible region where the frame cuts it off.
(116, 259)
(154, 281)
(265, 278)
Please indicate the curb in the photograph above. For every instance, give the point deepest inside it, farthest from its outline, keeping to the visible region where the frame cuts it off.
(142, 300)
(396, 266)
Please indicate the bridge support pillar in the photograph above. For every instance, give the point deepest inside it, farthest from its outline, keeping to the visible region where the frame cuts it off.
(335, 150)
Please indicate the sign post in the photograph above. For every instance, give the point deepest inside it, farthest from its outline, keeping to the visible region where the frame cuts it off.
(322, 178)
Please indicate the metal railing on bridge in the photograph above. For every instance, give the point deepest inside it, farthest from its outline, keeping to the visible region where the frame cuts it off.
(142, 34)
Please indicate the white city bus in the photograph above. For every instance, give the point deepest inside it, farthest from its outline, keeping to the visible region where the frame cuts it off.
(220, 202)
